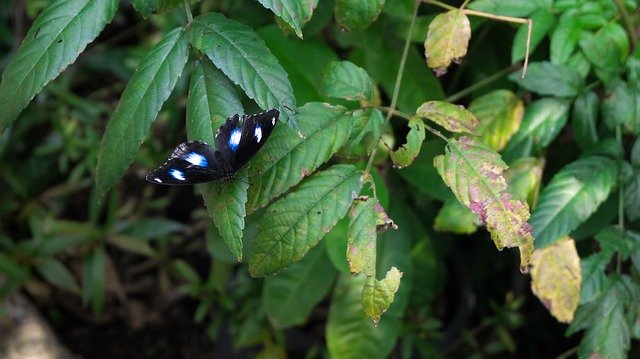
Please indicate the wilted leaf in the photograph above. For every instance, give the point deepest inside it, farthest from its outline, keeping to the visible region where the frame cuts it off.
(378, 295)
(296, 223)
(361, 236)
(500, 114)
(556, 278)
(474, 172)
(452, 117)
(447, 40)
(404, 155)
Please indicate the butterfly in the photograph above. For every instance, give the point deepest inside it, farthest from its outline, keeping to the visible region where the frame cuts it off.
(237, 140)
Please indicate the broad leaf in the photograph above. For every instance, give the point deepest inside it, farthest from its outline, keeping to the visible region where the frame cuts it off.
(500, 114)
(54, 41)
(348, 81)
(456, 218)
(242, 55)
(474, 172)
(546, 78)
(543, 120)
(619, 107)
(212, 98)
(294, 12)
(524, 177)
(573, 194)
(584, 121)
(286, 158)
(556, 278)
(356, 15)
(516, 8)
(593, 277)
(289, 296)
(447, 40)
(405, 155)
(452, 117)
(632, 196)
(378, 295)
(564, 39)
(139, 104)
(296, 223)
(361, 236)
(607, 50)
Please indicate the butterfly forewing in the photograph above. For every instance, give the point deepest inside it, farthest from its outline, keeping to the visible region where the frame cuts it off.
(237, 140)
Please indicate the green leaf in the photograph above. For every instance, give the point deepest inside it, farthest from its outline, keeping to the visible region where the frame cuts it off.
(573, 194)
(348, 81)
(546, 78)
(607, 50)
(294, 12)
(56, 273)
(242, 55)
(452, 117)
(144, 7)
(423, 176)
(405, 155)
(564, 39)
(593, 277)
(377, 295)
(474, 172)
(139, 104)
(516, 8)
(131, 244)
(454, 217)
(12, 269)
(213, 98)
(357, 15)
(585, 120)
(500, 114)
(632, 196)
(54, 41)
(543, 120)
(524, 177)
(93, 280)
(543, 21)
(361, 236)
(619, 107)
(447, 40)
(286, 158)
(289, 296)
(296, 223)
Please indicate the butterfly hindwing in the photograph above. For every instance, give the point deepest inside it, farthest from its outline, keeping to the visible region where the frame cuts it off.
(191, 162)
(237, 140)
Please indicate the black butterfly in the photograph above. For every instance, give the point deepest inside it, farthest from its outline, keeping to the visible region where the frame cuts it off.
(237, 140)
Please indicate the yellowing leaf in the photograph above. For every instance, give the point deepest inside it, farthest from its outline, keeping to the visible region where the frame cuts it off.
(556, 278)
(524, 177)
(474, 172)
(447, 40)
(500, 113)
(361, 236)
(378, 295)
(405, 155)
(452, 117)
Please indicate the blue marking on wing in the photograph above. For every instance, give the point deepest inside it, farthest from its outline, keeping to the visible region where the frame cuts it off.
(234, 139)
(177, 174)
(196, 159)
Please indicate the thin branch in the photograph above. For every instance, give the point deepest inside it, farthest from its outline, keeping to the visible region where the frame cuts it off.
(187, 8)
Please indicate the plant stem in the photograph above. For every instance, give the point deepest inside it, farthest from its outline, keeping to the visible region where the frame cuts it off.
(187, 8)
(396, 86)
(620, 193)
(498, 75)
(394, 112)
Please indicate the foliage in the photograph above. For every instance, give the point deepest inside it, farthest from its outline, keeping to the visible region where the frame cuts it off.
(385, 168)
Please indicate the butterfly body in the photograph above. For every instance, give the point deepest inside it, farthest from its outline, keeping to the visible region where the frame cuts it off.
(236, 141)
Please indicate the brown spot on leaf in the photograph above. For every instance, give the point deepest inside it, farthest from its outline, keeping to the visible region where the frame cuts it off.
(304, 172)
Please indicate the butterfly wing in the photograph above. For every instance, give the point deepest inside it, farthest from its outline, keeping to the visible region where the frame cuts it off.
(238, 139)
(191, 162)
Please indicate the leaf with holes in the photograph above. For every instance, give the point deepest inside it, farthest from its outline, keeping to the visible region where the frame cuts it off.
(452, 117)
(378, 295)
(346, 80)
(296, 223)
(286, 158)
(54, 41)
(290, 295)
(573, 194)
(212, 98)
(405, 155)
(500, 114)
(474, 172)
(296, 13)
(556, 278)
(139, 104)
(361, 236)
(447, 40)
(242, 55)
(357, 15)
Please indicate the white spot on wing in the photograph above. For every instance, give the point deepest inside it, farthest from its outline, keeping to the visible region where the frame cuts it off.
(158, 180)
(196, 159)
(234, 139)
(273, 120)
(258, 133)
(177, 174)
